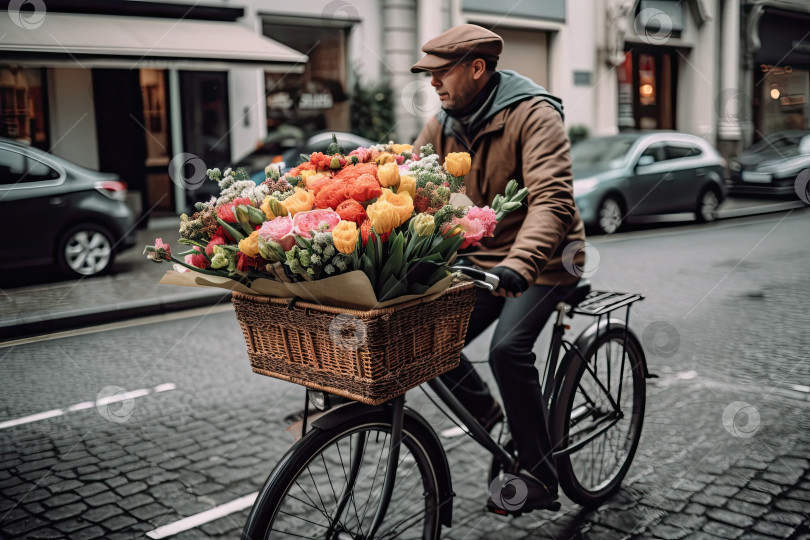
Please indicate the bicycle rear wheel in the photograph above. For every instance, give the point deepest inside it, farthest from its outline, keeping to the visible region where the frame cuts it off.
(328, 486)
(597, 417)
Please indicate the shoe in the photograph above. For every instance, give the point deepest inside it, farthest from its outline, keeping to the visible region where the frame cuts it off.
(512, 495)
(492, 417)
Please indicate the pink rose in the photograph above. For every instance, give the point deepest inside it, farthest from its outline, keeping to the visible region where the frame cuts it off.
(313, 220)
(473, 230)
(279, 230)
(486, 216)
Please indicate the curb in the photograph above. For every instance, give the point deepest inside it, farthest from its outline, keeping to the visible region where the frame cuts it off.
(26, 326)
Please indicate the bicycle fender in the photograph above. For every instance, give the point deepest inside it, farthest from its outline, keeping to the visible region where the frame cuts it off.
(588, 336)
(354, 411)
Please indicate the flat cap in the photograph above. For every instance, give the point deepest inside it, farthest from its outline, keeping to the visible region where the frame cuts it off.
(460, 42)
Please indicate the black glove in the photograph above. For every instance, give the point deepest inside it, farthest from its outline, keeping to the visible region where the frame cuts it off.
(511, 281)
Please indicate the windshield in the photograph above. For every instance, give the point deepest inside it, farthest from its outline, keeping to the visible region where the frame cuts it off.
(606, 153)
(784, 144)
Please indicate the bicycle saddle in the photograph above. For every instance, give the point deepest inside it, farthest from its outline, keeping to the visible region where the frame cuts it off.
(579, 293)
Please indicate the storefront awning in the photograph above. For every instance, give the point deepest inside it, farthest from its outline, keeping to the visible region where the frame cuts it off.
(108, 41)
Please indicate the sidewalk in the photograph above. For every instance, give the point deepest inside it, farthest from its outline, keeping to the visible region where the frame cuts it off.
(132, 290)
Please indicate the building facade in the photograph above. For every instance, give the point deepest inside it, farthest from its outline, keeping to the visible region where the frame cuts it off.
(126, 86)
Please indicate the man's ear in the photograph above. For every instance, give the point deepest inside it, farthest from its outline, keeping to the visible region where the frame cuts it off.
(479, 68)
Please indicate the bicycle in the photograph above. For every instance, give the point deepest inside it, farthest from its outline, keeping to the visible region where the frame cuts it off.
(339, 479)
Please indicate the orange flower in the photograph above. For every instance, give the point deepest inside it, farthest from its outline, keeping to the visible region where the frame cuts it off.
(344, 235)
(301, 201)
(351, 210)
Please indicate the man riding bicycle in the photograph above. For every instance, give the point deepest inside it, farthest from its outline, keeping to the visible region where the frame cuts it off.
(512, 128)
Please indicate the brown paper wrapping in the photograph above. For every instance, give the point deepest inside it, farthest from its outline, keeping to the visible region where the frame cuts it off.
(352, 289)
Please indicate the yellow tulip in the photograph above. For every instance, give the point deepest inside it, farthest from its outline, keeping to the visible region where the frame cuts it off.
(383, 216)
(401, 201)
(458, 163)
(344, 235)
(388, 175)
(384, 158)
(300, 201)
(407, 184)
(423, 224)
(250, 245)
(272, 208)
(399, 148)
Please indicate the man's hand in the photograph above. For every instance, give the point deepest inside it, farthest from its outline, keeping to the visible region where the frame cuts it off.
(512, 284)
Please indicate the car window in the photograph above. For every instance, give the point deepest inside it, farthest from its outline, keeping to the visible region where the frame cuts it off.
(16, 167)
(656, 151)
(679, 152)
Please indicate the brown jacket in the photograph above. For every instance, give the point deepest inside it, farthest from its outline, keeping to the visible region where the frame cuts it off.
(525, 141)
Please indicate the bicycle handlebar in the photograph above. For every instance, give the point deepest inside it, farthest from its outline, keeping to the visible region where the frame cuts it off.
(482, 279)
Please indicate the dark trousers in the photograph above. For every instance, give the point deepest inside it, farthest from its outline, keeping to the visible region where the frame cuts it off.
(520, 321)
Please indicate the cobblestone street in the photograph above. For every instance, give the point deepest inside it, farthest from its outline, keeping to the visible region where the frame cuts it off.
(725, 450)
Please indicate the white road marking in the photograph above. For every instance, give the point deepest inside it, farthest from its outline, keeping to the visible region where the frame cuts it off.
(453, 432)
(84, 405)
(196, 520)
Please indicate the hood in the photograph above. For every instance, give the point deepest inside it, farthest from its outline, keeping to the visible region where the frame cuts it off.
(512, 88)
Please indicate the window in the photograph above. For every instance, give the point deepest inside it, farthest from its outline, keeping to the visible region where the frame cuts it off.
(656, 151)
(16, 167)
(679, 152)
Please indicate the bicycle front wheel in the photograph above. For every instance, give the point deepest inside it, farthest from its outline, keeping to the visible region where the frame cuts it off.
(597, 417)
(328, 486)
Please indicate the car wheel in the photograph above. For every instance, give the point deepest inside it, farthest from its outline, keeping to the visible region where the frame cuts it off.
(85, 250)
(707, 204)
(609, 216)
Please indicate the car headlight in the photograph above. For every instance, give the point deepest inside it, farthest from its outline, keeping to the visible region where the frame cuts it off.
(583, 187)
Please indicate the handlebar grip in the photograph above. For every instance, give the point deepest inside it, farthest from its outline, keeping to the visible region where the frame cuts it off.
(482, 279)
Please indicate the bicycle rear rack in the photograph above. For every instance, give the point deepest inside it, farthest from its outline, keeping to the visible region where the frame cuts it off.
(601, 302)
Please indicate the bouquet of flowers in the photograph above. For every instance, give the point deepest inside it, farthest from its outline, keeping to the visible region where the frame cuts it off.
(395, 215)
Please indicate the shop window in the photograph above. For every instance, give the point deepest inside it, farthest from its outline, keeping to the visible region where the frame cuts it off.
(315, 99)
(784, 98)
(23, 106)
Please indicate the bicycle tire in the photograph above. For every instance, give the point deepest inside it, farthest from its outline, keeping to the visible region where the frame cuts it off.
(573, 470)
(278, 497)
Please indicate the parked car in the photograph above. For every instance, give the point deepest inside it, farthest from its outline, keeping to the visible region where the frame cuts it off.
(54, 211)
(649, 173)
(283, 148)
(771, 165)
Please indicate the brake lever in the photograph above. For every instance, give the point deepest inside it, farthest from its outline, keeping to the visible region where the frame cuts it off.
(481, 279)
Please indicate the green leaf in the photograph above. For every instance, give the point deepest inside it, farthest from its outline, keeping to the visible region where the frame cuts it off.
(394, 263)
(189, 242)
(233, 231)
(392, 288)
(368, 269)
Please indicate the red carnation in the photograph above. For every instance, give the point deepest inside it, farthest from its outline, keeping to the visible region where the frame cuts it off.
(215, 241)
(244, 262)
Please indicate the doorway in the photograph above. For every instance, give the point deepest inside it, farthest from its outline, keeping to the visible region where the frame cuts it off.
(647, 89)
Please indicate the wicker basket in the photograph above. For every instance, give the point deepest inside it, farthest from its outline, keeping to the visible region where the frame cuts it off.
(368, 356)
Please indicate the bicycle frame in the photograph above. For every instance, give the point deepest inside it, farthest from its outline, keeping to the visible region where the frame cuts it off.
(554, 370)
